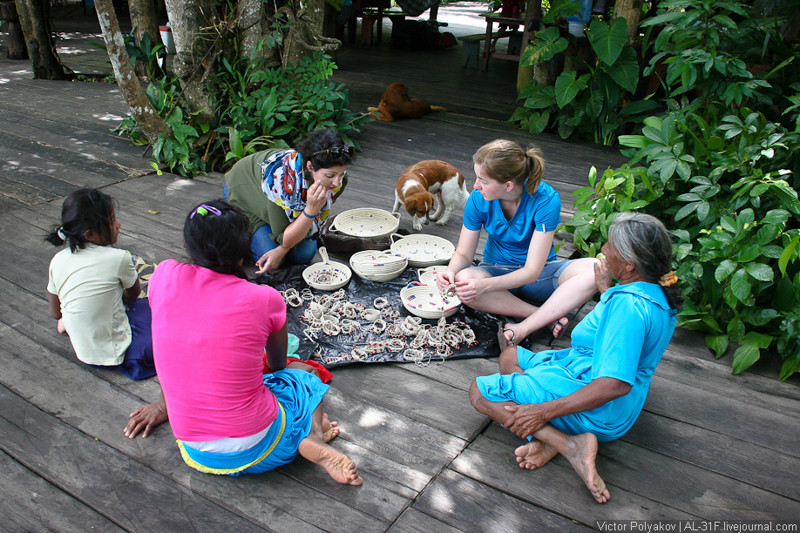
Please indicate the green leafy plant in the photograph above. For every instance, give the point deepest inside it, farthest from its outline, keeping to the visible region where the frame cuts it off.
(595, 105)
(256, 105)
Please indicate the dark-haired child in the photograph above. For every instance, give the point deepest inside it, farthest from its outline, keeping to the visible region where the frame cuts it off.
(87, 283)
(210, 329)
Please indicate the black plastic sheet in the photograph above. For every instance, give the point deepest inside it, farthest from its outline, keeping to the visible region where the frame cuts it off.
(364, 292)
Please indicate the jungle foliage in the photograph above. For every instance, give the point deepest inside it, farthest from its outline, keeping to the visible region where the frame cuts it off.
(719, 166)
(256, 102)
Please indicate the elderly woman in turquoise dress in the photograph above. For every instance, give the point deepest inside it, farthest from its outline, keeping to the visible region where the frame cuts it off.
(565, 401)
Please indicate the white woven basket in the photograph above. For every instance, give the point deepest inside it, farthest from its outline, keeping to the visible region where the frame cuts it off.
(423, 250)
(425, 301)
(375, 265)
(327, 275)
(366, 222)
(427, 275)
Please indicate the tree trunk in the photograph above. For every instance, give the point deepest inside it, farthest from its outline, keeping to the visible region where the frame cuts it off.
(631, 11)
(144, 20)
(147, 118)
(305, 31)
(192, 21)
(34, 16)
(250, 14)
(16, 40)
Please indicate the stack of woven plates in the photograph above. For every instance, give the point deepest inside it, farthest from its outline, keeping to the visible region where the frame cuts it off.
(423, 250)
(375, 265)
(366, 222)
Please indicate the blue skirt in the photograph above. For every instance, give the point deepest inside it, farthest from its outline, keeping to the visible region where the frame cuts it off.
(299, 393)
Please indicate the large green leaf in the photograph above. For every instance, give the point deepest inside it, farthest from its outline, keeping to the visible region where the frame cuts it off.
(567, 87)
(561, 9)
(545, 46)
(625, 71)
(740, 286)
(608, 40)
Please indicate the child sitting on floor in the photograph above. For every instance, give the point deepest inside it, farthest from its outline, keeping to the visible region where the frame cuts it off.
(210, 329)
(88, 282)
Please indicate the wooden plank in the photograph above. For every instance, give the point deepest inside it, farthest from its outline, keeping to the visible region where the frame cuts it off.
(36, 505)
(432, 402)
(555, 487)
(468, 505)
(136, 497)
(391, 434)
(78, 161)
(266, 499)
(692, 405)
(413, 521)
(755, 465)
(673, 483)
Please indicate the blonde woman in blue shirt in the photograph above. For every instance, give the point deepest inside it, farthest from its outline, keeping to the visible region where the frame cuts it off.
(520, 213)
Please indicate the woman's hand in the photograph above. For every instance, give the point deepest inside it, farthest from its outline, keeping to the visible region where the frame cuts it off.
(602, 276)
(271, 260)
(145, 418)
(470, 290)
(316, 197)
(444, 280)
(525, 420)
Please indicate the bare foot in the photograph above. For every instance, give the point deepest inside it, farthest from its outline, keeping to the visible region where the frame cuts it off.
(329, 429)
(339, 466)
(582, 454)
(559, 327)
(534, 455)
(60, 326)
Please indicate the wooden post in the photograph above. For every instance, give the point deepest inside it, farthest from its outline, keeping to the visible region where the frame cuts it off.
(16, 40)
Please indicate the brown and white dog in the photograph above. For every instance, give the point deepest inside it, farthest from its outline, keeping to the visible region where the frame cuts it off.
(396, 104)
(419, 184)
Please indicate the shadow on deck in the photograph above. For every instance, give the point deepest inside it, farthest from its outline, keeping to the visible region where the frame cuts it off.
(708, 445)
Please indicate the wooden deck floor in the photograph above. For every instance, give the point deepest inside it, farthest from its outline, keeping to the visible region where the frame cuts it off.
(708, 445)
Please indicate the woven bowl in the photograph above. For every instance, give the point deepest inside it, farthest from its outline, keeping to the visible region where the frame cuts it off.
(427, 275)
(327, 275)
(366, 222)
(425, 301)
(423, 250)
(378, 276)
(377, 261)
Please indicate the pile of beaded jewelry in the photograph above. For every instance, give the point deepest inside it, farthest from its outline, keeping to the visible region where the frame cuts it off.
(331, 314)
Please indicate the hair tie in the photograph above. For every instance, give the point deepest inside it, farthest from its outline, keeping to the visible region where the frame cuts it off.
(61, 234)
(668, 279)
(204, 209)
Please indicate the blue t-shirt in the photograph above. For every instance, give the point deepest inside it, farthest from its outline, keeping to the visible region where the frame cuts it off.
(508, 240)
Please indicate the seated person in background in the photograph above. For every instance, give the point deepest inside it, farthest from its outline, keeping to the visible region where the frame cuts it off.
(210, 330)
(520, 214)
(287, 194)
(565, 401)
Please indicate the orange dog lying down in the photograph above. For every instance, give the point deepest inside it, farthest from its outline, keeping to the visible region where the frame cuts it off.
(419, 184)
(396, 104)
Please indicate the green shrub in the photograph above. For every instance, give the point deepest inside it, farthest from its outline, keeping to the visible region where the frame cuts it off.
(256, 105)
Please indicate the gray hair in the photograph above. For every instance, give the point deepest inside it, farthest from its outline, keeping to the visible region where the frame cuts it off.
(643, 241)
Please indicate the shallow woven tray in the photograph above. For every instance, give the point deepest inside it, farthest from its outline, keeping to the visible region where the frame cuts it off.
(366, 222)
(327, 275)
(423, 250)
(425, 301)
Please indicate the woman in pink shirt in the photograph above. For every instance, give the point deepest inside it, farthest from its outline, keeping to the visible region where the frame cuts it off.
(210, 330)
